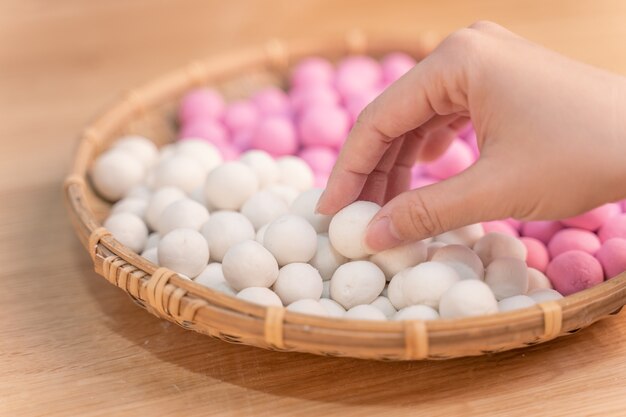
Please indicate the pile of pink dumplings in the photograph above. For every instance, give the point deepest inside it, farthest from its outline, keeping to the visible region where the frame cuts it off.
(311, 119)
(231, 206)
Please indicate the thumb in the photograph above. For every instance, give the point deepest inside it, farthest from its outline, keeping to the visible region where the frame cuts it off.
(472, 196)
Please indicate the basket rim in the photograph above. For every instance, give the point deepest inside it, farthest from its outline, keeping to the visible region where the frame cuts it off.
(571, 312)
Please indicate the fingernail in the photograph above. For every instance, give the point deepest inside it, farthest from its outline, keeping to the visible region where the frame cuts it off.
(381, 235)
(318, 205)
(317, 208)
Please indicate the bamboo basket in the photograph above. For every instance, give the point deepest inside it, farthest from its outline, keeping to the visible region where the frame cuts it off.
(150, 110)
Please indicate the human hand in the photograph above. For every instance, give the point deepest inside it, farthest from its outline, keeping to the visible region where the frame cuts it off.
(551, 133)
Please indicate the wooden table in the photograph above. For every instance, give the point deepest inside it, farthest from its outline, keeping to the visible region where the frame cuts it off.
(71, 344)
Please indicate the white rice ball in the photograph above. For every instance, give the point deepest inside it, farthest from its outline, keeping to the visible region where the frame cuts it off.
(151, 254)
(249, 264)
(213, 277)
(294, 172)
(260, 295)
(467, 235)
(333, 308)
(153, 240)
(537, 280)
(141, 148)
(304, 206)
(260, 234)
(115, 172)
(394, 260)
(161, 198)
(498, 245)
(364, 312)
(182, 214)
(395, 290)
(416, 312)
(298, 281)
(263, 166)
(432, 248)
(467, 298)
(347, 228)
(133, 205)
(290, 239)
(541, 296)
(264, 207)
(308, 306)
(139, 191)
(507, 277)
(287, 193)
(129, 230)
(326, 289)
(426, 283)
(229, 185)
(204, 153)
(356, 282)
(225, 229)
(464, 261)
(184, 251)
(197, 195)
(384, 305)
(326, 259)
(148, 180)
(179, 171)
(167, 151)
(515, 303)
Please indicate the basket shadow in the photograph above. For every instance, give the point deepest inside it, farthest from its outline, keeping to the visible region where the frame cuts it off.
(343, 380)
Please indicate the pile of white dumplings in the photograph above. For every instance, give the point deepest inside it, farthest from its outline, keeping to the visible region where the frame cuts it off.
(248, 228)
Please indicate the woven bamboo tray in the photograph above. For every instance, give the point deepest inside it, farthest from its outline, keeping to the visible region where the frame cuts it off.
(150, 111)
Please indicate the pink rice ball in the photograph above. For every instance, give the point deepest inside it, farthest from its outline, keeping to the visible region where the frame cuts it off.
(242, 140)
(313, 71)
(209, 130)
(229, 152)
(320, 181)
(395, 65)
(417, 170)
(573, 239)
(200, 104)
(272, 101)
(574, 271)
(472, 142)
(357, 73)
(241, 116)
(515, 224)
(422, 181)
(324, 126)
(321, 159)
(536, 253)
(500, 226)
(612, 256)
(624, 206)
(457, 158)
(541, 230)
(358, 101)
(466, 131)
(304, 97)
(595, 218)
(276, 136)
(614, 227)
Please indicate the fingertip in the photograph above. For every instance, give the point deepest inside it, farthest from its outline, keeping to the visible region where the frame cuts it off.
(326, 204)
(321, 207)
(381, 235)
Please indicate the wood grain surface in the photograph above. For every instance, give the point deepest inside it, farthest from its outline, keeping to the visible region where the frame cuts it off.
(72, 344)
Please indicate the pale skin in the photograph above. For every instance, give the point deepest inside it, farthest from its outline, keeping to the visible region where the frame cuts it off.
(551, 133)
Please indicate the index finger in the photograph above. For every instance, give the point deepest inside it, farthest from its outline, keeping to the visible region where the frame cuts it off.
(402, 107)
